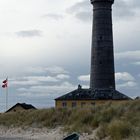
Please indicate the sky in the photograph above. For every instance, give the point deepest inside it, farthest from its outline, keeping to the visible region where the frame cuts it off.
(45, 48)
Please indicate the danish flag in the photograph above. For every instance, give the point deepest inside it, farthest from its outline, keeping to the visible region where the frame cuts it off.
(5, 83)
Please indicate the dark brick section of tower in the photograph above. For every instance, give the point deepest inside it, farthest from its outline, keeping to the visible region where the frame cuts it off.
(102, 55)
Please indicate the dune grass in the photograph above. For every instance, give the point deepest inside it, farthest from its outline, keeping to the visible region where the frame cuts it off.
(118, 121)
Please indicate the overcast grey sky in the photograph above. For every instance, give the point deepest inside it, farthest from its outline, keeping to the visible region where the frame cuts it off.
(45, 48)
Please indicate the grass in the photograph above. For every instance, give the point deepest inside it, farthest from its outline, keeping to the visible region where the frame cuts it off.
(118, 121)
(119, 129)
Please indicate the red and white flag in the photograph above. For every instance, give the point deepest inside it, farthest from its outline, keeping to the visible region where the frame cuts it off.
(5, 83)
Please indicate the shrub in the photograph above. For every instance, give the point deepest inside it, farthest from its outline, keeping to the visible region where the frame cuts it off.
(101, 132)
(118, 129)
(118, 120)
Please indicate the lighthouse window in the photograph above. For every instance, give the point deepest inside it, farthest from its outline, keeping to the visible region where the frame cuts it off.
(101, 38)
(100, 62)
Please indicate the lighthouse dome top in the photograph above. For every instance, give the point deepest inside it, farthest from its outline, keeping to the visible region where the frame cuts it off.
(93, 1)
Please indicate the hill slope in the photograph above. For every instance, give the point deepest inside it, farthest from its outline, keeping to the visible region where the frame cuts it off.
(118, 121)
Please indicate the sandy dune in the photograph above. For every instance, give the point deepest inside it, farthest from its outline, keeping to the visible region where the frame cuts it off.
(32, 133)
(36, 134)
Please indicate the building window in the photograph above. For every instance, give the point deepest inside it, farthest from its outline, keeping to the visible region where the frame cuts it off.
(93, 103)
(64, 104)
(74, 104)
(83, 104)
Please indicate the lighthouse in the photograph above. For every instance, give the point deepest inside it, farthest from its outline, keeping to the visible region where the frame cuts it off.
(102, 56)
(102, 71)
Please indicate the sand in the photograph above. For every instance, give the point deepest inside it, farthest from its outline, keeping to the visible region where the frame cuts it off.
(38, 134)
(32, 133)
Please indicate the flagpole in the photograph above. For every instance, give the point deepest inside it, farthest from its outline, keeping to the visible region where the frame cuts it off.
(6, 98)
(5, 85)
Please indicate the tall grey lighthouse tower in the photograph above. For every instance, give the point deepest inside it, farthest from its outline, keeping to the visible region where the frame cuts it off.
(102, 75)
(102, 55)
